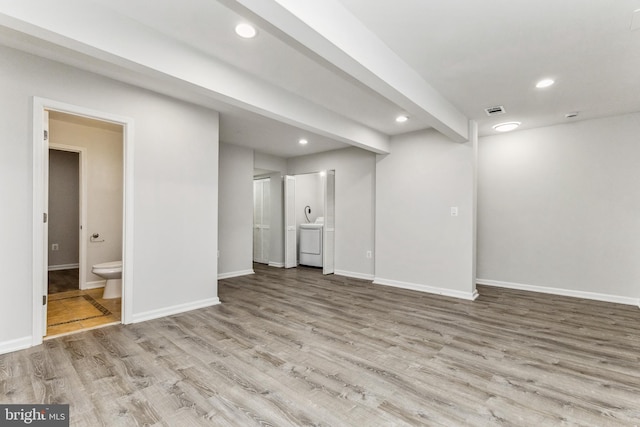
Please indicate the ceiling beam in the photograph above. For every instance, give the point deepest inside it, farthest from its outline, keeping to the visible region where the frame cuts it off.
(329, 30)
(100, 33)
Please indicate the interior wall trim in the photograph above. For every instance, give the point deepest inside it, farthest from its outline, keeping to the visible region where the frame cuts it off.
(15, 345)
(276, 264)
(174, 309)
(470, 296)
(354, 275)
(560, 291)
(235, 274)
(95, 284)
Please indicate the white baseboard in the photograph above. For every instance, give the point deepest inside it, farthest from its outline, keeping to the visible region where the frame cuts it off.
(353, 274)
(235, 274)
(175, 309)
(559, 291)
(276, 264)
(94, 285)
(15, 345)
(63, 267)
(425, 288)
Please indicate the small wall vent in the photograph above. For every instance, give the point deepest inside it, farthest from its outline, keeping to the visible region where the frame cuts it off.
(494, 111)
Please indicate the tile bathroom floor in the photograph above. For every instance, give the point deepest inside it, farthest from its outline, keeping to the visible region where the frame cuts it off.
(77, 310)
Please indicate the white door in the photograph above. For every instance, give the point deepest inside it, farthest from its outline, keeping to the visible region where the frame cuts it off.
(261, 220)
(290, 249)
(45, 249)
(328, 263)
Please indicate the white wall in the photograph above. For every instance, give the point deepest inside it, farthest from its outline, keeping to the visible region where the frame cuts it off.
(235, 221)
(355, 187)
(104, 154)
(559, 208)
(309, 192)
(419, 244)
(175, 190)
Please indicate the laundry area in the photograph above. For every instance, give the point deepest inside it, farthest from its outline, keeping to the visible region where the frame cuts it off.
(309, 202)
(307, 207)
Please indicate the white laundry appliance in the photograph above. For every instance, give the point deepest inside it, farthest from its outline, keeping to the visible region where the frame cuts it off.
(311, 243)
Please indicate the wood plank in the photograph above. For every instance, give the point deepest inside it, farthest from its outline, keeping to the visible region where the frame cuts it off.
(294, 347)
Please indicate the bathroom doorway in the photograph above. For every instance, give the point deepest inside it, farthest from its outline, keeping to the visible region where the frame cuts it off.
(66, 209)
(85, 220)
(96, 147)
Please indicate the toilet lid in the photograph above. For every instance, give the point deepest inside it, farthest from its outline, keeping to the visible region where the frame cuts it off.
(112, 264)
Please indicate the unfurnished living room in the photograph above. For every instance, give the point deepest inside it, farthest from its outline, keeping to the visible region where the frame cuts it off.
(336, 213)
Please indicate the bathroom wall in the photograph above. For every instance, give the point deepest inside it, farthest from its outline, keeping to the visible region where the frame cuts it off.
(104, 171)
(355, 205)
(175, 190)
(64, 201)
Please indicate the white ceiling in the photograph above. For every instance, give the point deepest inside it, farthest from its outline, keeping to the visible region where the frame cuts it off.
(301, 77)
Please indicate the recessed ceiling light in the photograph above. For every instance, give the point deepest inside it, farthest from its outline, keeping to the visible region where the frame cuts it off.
(303, 142)
(506, 127)
(402, 119)
(246, 31)
(544, 83)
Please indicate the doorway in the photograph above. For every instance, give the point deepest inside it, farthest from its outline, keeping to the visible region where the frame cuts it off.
(79, 304)
(84, 304)
(309, 212)
(65, 211)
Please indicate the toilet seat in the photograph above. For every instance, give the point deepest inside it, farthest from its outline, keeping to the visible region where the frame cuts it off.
(108, 267)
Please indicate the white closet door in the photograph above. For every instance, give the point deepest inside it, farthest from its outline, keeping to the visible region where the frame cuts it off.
(261, 225)
(328, 256)
(265, 230)
(290, 249)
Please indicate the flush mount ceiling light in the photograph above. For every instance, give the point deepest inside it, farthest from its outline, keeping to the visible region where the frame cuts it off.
(303, 141)
(246, 31)
(544, 83)
(401, 119)
(506, 127)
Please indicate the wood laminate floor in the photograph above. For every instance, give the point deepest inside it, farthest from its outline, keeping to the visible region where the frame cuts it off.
(291, 347)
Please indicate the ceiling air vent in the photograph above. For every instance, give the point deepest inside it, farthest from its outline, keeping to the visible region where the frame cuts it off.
(494, 111)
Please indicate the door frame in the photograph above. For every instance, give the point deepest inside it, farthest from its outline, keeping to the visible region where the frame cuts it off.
(82, 244)
(40, 176)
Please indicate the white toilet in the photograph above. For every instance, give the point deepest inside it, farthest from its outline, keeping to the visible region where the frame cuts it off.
(112, 271)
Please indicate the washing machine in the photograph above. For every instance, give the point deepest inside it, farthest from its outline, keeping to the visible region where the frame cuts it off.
(310, 245)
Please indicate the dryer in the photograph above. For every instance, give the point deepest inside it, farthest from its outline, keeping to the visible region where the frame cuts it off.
(310, 245)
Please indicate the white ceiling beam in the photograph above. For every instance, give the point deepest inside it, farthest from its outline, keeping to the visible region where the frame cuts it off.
(329, 30)
(100, 33)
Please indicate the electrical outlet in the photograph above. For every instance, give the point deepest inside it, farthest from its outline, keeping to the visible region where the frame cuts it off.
(369, 254)
(55, 247)
(454, 211)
